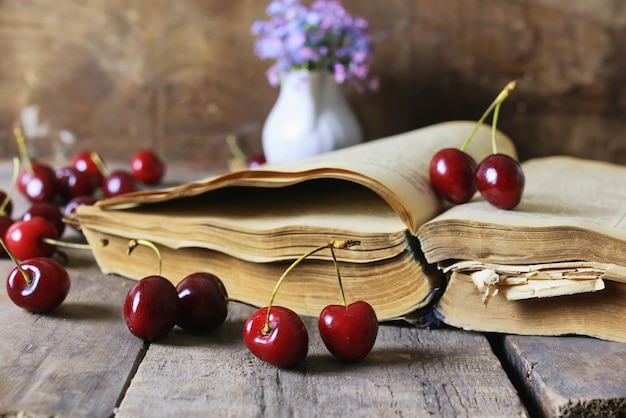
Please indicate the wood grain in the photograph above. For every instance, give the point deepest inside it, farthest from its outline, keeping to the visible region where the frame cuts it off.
(80, 361)
(179, 76)
(410, 372)
(570, 376)
(74, 361)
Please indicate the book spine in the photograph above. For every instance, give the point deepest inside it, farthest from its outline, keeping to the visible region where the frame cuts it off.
(427, 316)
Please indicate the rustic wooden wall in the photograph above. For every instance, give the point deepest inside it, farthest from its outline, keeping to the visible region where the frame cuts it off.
(116, 75)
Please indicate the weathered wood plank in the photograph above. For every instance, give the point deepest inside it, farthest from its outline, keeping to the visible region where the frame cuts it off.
(179, 76)
(571, 376)
(410, 372)
(74, 361)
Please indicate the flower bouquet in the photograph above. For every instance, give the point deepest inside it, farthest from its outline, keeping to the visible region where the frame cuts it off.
(321, 37)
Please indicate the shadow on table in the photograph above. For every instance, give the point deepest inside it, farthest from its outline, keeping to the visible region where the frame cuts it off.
(86, 311)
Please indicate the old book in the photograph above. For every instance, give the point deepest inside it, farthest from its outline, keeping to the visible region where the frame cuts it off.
(248, 226)
(554, 265)
(597, 313)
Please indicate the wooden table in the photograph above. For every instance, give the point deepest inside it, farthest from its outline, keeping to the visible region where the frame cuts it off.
(81, 361)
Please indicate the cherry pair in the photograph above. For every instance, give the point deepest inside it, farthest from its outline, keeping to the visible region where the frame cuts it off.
(277, 335)
(154, 306)
(456, 177)
(499, 178)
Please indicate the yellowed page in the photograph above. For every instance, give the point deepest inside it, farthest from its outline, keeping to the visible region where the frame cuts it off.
(560, 191)
(396, 168)
(265, 225)
(544, 271)
(572, 209)
(551, 288)
(599, 314)
(393, 287)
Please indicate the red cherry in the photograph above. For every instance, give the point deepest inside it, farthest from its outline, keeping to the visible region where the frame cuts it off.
(119, 182)
(203, 302)
(349, 332)
(24, 238)
(23, 178)
(83, 161)
(49, 212)
(452, 173)
(8, 208)
(38, 186)
(150, 308)
(71, 183)
(45, 289)
(256, 160)
(287, 342)
(147, 167)
(500, 180)
(70, 209)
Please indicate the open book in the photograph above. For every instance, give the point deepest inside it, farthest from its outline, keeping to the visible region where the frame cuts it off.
(248, 226)
(567, 237)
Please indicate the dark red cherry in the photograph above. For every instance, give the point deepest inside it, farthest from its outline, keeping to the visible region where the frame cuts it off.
(500, 180)
(147, 167)
(48, 211)
(256, 160)
(285, 344)
(23, 177)
(71, 183)
(46, 287)
(150, 308)
(203, 302)
(83, 161)
(452, 173)
(69, 212)
(349, 332)
(38, 186)
(119, 182)
(8, 208)
(24, 238)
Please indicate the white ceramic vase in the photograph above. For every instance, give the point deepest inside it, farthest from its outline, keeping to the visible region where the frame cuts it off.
(310, 117)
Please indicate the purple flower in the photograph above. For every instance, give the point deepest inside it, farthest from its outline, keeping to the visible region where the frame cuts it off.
(321, 37)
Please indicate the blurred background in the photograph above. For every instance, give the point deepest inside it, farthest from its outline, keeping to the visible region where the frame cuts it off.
(178, 76)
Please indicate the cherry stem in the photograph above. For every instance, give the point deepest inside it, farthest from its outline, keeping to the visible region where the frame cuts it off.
(102, 168)
(26, 276)
(76, 245)
(499, 99)
(133, 243)
(341, 293)
(235, 149)
(494, 121)
(21, 145)
(330, 244)
(7, 198)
